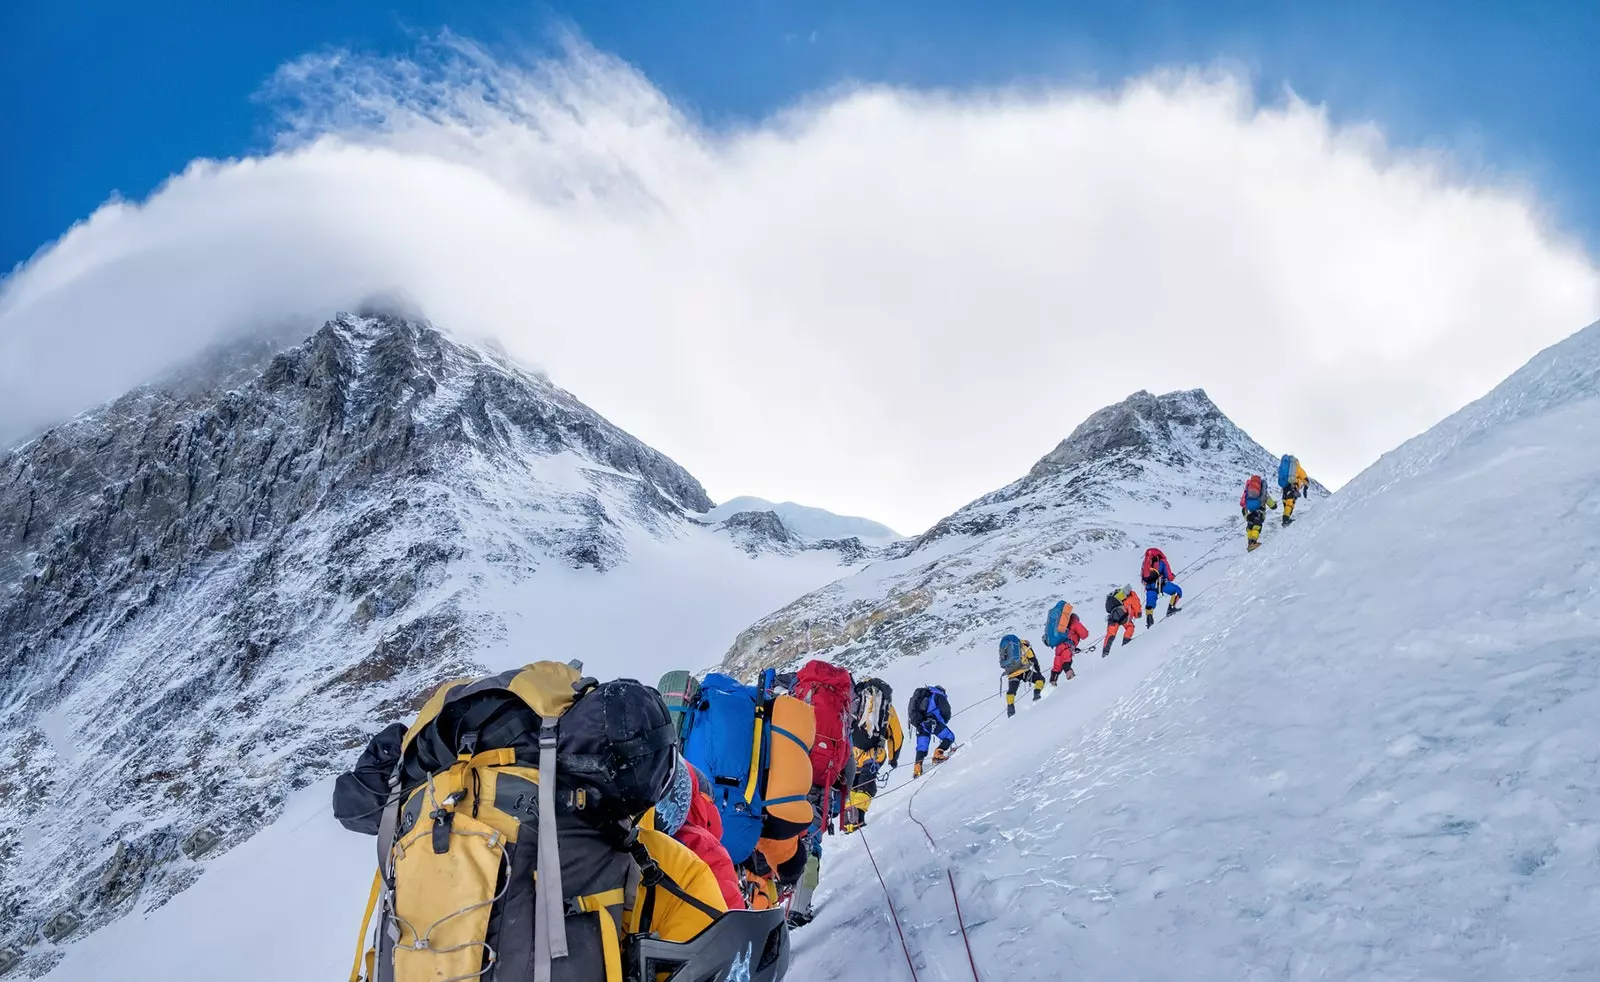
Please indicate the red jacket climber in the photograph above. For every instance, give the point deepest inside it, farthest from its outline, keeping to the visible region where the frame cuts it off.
(1076, 634)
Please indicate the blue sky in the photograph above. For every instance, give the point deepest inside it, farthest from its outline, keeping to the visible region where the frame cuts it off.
(106, 97)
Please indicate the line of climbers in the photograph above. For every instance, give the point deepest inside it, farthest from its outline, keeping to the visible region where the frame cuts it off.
(791, 758)
(1253, 503)
(541, 826)
(1064, 631)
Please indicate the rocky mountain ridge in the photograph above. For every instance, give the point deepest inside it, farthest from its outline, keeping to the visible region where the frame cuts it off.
(213, 588)
(1151, 470)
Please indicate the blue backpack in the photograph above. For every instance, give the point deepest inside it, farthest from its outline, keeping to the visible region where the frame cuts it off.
(1285, 470)
(1011, 654)
(1052, 625)
(720, 739)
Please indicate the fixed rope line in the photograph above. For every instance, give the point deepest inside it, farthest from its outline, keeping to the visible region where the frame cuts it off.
(895, 916)
(950, 876)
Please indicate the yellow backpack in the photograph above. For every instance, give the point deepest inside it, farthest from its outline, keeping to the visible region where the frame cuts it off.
(507, 849)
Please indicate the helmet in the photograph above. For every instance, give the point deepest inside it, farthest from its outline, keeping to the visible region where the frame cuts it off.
(673, 808)
(741, 944)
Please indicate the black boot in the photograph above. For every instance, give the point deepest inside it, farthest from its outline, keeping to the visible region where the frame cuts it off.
(1011, 709)
(1106, 648)
(1150, 617)
(1126, 639)
(1038, 694)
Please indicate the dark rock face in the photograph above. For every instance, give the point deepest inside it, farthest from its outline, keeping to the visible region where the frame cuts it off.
(1144, 425)
(211, 589)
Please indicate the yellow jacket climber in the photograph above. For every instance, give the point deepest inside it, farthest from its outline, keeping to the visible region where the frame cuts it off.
(1293, 481)
(675, 919)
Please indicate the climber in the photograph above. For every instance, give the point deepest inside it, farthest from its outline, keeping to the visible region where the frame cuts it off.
(801, 910)
(471, 768)
(1252, 505)
(1020, 665)
(876, 739)
(754, 742)
(1292, 481)
(1157, 577)
(929, 716)
(1063, 631)
(1122, 610)
(688, 814)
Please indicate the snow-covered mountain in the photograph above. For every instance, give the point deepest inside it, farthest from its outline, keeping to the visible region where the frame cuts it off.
(1368, 751)
(214, 587)
(1365, 751)
(806, 521)
(1149, 471)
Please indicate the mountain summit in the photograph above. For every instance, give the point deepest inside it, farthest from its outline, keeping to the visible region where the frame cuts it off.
(1169, 428)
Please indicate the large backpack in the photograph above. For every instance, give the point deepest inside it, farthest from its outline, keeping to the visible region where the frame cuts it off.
(1057, 623)
(1011, 659)
(678, 690)
(1286, 469)
(873, 701)
(1253, 492)
(831, 693)
(756, 749)
(919, 710)
(534, 768)
(1153, 558)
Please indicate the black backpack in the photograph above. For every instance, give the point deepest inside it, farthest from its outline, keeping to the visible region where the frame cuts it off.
(534, 767)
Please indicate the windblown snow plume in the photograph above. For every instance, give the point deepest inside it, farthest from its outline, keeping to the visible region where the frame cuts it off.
(915, 254)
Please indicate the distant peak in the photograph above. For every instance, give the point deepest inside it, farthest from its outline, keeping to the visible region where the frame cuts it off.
(804, 520)
(1135, 424)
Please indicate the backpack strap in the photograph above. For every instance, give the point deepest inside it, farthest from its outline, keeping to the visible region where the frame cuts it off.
(651, 875)
(550, 923)
(387, 824)
(363, 953)
(610, 931)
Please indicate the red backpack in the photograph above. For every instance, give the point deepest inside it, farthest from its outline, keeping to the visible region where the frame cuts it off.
(831, 693)
(1153, 558)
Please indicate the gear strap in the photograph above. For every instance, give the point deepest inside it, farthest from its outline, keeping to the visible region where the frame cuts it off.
(363, 953)
(610, 934)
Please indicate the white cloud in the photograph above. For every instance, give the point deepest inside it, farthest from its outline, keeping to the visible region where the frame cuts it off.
(883, 302)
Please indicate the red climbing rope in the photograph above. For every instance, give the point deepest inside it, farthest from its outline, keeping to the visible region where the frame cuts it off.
(898, 930)
(962, 921)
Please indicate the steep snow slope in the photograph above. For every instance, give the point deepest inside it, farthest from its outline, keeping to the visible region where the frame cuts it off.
(812, 523)
(1109, 489)
(212, 588)
(1150, 471)
(1368, 751)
